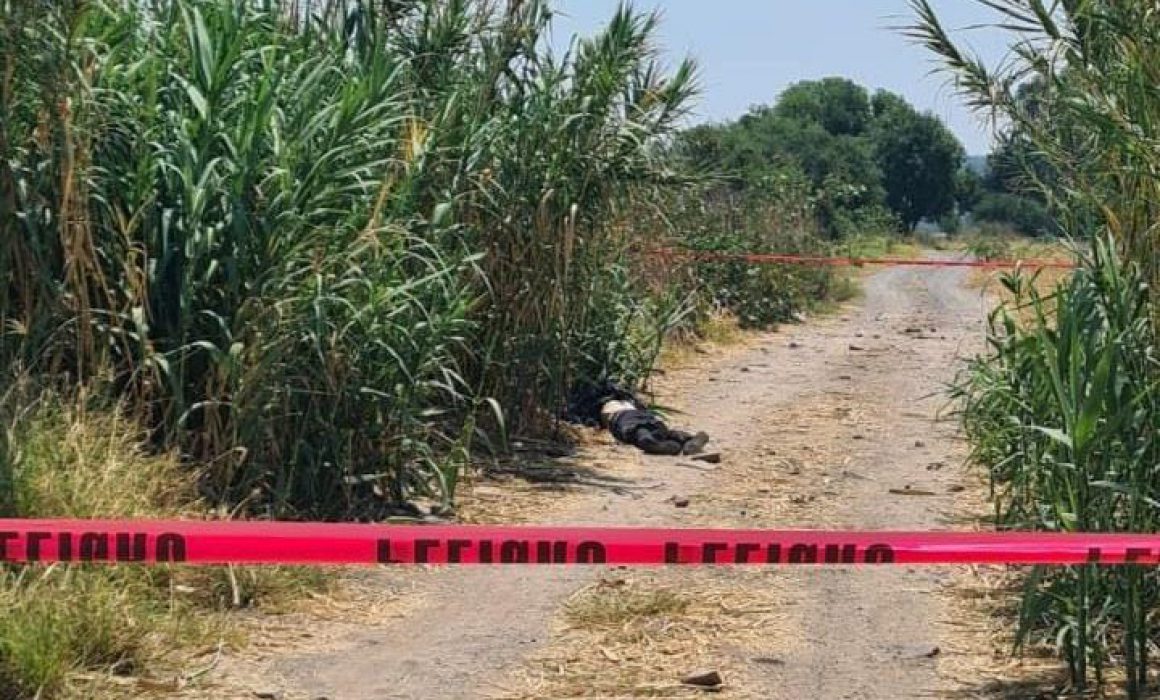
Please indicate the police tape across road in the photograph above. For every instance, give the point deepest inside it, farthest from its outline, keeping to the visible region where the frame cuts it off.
(236, 542)
(818, 260)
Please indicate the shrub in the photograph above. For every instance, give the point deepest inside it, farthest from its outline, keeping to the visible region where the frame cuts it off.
(65, 628)
(63, 458)
(775, 215)
(1024, 214)
(1064, 414)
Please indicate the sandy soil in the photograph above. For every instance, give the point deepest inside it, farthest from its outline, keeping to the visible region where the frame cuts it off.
(831, 423)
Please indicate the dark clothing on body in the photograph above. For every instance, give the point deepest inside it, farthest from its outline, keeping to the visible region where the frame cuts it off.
(639, 426)
(648, 432)
(585, 403)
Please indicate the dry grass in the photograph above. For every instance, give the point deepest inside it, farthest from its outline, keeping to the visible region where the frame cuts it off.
(1045, 279)
(620, 609)
(906, 249)
(104, 632)
(982, 612)
(981, 604)
(316, 622)
(510, 499)
(68, 460)
(533, 486)
(1013, 247)
(719, 331)
(723, 329)
(639, 634)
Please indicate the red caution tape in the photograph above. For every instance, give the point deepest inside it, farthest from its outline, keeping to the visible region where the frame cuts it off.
(128, 541)
(787, 259)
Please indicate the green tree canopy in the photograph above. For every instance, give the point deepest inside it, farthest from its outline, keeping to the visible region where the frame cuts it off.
(968, 189)
(839, 106)
(919, 158)
(858, 151)
(775, 139)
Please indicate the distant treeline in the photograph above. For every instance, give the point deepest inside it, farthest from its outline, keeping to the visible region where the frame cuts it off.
(871, 161)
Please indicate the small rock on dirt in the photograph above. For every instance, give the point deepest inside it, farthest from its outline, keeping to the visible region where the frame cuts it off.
(844, 376)
(858, 334)
(793, 344)
(856, 347)
(703, 679)
(935, 466)
(770, 660)
(957, 488)
(710, 457)
(908, 491)
(680, 501)
(919, 443)
(267, 695)
(744, 369)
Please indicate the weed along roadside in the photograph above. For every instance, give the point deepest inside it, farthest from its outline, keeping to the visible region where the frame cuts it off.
(1062, 410)
(352, 262)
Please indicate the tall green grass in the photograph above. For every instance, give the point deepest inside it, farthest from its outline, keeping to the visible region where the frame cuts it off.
(1065, 410)
(316, 242)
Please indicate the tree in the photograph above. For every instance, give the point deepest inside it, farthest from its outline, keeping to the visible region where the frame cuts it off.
(774, 138)
(1017, 166)
(919, 159)
(858, 152)
(885, 102)
(838, 105)
(968, 189)
(1024, 214)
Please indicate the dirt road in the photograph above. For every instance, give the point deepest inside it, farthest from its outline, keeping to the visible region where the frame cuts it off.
(826, 424)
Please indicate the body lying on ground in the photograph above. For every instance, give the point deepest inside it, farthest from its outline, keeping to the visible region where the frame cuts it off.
(630, 421)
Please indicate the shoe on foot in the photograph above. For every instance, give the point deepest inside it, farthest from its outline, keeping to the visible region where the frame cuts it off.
(695, 444)
(652, 446)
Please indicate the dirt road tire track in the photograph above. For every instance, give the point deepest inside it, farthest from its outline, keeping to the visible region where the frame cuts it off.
(849, 633)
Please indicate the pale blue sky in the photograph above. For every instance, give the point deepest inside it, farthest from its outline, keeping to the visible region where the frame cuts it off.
(750, 50)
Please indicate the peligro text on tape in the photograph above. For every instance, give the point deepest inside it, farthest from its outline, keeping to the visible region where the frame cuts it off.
(795, 259)
(198, 542)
